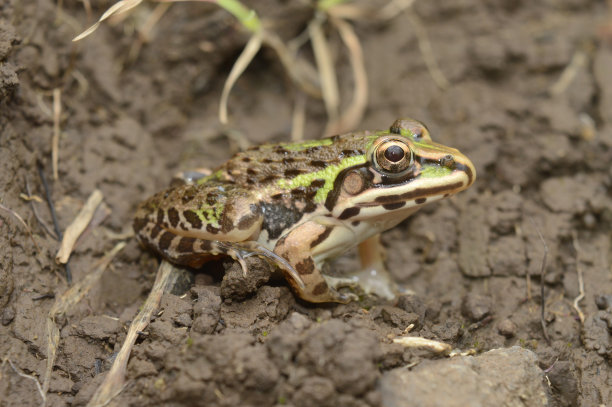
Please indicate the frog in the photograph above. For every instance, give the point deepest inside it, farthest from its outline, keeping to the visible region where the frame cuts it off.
(299, 205)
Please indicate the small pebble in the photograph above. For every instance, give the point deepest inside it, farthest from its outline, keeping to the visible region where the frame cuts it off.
(506, 328)
(476, 307)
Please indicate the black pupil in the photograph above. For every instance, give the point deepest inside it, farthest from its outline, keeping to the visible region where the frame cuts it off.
(394, 153)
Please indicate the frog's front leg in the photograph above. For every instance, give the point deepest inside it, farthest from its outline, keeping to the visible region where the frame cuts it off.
(307, 281)
(373, 277)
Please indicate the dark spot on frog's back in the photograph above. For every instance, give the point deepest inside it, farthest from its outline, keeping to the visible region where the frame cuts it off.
(165, 240)
(292, 172)
(155, 231)
(185, 245)
(173, 217)
(139, 223)
(269, 179)
(317, 183)
(422, 200)
(188, 194)
(278, 218)
(193, 219)
(318, 164)
(351, 153)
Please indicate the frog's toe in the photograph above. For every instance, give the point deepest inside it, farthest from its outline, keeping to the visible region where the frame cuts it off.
(345, 298)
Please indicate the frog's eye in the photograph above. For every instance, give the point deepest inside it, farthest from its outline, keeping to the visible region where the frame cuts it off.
(393, 156)
(410, 128)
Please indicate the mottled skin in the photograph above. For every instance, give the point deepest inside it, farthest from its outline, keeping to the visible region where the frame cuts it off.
(299, 204)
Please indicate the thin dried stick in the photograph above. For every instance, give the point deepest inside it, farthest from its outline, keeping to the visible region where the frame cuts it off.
(25, 225)
(43, 179)
(298, 118)
(245, 58)
(115, 379)
(144, 32)
(542, 282)
(427, 51)
(350, 118)
(117, 8)
(325, 65)
(57, 111)
(580, 279)
(418, 342)
(74, 230)
(27, 376)
(579, 59)
(36, 215)
(63, 303)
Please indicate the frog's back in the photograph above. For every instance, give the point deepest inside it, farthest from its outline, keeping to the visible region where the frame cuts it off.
(268, 164)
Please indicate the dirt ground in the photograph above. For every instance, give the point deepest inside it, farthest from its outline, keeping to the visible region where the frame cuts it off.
(529, 101)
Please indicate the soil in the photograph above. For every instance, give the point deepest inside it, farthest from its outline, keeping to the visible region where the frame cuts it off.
(529, 101)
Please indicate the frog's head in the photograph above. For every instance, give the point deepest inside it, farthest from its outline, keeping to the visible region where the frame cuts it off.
(403, 170)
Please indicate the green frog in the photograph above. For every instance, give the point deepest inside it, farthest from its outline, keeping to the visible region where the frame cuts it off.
(300, 204)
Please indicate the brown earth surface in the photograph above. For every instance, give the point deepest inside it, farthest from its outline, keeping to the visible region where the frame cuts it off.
(529, 101)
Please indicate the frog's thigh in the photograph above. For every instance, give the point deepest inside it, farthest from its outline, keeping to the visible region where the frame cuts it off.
(296, 248)
(373, 277)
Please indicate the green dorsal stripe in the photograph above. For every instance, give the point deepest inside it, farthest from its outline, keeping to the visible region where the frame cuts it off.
(329, 174)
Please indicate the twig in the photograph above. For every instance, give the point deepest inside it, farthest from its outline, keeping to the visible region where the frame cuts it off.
(579, 59)
(248, 53)
(353, 114)
(58, 232)
(67, 300)
(36, 215)
(27, 376)
(298, 118)
(418, 342)
(427, 51)
(325, 65)
(542, 277)
(57, 110)
(580, 279)
(74, 230)
(114, 381)
(25, 225)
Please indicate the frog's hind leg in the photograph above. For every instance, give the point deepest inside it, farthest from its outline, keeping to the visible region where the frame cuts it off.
(304, 276)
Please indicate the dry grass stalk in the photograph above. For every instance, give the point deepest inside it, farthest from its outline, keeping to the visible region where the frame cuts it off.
(74, 230)
(25, 225)
(418, 342)
(542, 282)
(352, 115)
(298, 118)
(117, 8)
(326, 68)
(57, 112)
(427, 51)
(579, 60)
(245, 58)
(580, 296)
(63, 303)
(30, 377)
(115, 379)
